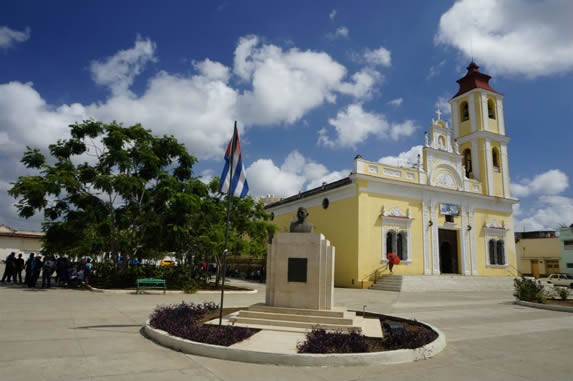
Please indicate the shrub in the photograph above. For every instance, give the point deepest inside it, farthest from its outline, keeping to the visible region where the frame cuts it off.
(106, 275)
(562, 292)
(320, 341)
(410, 337)
(184, 320)
(529, 290)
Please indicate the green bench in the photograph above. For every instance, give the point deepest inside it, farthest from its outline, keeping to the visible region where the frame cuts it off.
(150, 283)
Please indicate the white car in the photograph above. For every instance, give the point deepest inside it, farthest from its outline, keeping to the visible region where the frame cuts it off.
(563, 280)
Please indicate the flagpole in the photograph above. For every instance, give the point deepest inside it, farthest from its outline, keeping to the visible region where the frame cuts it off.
(229, 201)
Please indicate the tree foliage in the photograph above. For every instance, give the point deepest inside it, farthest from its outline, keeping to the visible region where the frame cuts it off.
(115, 190)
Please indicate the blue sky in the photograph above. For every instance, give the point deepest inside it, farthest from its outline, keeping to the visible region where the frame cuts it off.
(311, 84)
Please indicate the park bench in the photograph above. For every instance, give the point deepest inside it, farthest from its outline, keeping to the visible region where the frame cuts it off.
(150, 283)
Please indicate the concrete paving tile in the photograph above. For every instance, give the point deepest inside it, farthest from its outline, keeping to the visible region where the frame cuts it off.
(171, 375)
(39, 349)
(106, 364)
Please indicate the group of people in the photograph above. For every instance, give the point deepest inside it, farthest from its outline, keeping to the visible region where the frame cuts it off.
(60, 269)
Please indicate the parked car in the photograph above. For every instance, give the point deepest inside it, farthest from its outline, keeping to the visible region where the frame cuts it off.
(167, 263)
(563, 280)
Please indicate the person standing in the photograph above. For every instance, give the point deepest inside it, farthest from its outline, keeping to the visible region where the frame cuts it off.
(18, 269)
(36, 269)
(10, 268)
(28, 266)
(47, 271)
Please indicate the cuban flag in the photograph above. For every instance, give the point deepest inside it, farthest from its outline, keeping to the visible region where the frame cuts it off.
(234, 171)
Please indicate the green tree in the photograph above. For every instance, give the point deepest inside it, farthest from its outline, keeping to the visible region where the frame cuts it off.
(111, 189)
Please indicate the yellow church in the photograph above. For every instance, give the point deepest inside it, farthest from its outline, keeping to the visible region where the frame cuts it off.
(451, 213)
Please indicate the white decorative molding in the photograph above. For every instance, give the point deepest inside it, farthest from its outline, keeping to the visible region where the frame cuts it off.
(476, 187)
(410, 175)
(372, 169)
(489, 168)
(435, 239)
(500, 117)
(472, 109)
(396, 223)
(475, 162)
(425, 233)
(392, 172)
(505, 171)
(493, 228)
(473, 233)
(445, 179)
(484, 113)
(464, 244)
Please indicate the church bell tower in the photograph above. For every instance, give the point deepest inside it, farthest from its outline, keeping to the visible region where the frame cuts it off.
(479, 130)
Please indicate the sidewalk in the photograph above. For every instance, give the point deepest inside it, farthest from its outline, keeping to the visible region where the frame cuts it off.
(64, 335)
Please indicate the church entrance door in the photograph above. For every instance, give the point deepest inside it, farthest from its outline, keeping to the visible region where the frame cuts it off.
(448, 241)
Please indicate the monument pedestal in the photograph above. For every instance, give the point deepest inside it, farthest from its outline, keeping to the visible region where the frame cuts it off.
(299, 290)
(300, 271)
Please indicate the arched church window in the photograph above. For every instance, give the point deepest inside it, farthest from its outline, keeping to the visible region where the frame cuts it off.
(490, 109)
(390, 240)
(491, 251)
(464, 111)
(468, 163)
(500, 253)
(402, 245)
(495, 158)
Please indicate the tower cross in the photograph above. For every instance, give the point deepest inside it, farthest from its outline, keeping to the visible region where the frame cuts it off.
(439, 114)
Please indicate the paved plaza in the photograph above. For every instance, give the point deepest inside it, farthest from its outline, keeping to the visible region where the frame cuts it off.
(64, 335)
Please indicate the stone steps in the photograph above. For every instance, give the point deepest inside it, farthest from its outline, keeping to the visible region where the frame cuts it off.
(389, 283)
(443, 282)
(262, 315)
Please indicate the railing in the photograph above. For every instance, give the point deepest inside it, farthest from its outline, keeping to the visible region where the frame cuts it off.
(376, 273)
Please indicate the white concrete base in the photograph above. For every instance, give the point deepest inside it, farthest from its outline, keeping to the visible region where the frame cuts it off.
(275, 352)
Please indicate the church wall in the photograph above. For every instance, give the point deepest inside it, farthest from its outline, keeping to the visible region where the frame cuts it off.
(373, 226)
(481, 218)
(339, 224)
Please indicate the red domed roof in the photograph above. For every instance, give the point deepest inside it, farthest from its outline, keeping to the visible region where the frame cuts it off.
(472, 80)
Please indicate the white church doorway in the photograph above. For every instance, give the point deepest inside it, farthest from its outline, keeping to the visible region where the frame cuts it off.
(449, 257)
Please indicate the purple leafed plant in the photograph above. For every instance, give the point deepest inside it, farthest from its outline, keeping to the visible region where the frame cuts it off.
(320, 341)
(185, 320)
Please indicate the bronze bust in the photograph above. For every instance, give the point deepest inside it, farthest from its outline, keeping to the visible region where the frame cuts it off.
(300, 225)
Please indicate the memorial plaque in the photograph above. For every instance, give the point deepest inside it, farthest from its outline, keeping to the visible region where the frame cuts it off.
(297, 268)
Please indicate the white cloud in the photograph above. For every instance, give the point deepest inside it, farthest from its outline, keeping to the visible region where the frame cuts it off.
(548, 213)
(332, 14)
(362, 85)
(353, 125)
(551, 182)
(118, 71)
(406, 128)
(443, 105)
(404, 159)
(341, 32)
(380, 56)
(288, 84)
(296, 174)
(198, 108)
(396, 102)
(212, 70)
(531, 38)
(9, 37)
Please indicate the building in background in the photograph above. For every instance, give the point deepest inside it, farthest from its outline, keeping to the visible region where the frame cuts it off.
(448, 213)
(19, 241)
(538, 253)
(566, 249)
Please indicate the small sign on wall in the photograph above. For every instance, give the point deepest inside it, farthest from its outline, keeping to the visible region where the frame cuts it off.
(449, 209)
(297, 270)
